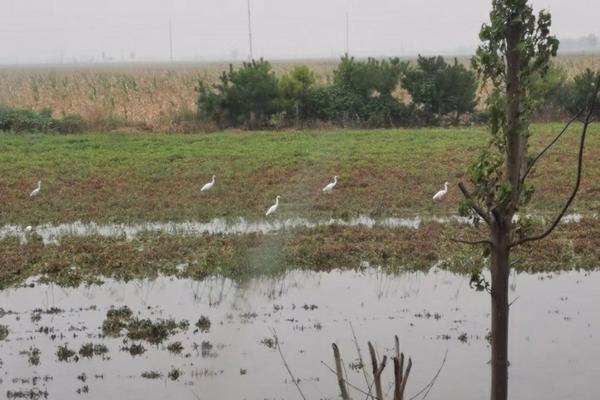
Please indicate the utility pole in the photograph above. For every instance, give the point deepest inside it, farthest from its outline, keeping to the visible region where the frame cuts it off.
(171, 40)
(250, 31)
(347, 36)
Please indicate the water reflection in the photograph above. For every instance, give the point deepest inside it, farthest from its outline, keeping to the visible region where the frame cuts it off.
(555, 318)
(51, 234)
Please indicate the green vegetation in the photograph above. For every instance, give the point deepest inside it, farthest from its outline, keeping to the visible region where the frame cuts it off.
(440, 89)
(368, 93)
(124, 178)
(162, 98)
(33, 355)
(362, 93)
(203, 324)
(88, 350)
(151, 375)
(3, 332)
(135, 178)
(65, 354)
(27, 121)
(156, 332)
(245, 97)
(87, 260)
(580, 90)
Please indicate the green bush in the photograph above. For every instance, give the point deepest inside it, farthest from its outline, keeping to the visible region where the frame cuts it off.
(71, 123)
(580, 90)
(20, 120)
(295, 88)
(549, 93)
(246, 97)
(363, 93)
(440, 89)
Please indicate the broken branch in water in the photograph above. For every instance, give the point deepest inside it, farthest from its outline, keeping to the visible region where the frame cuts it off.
(377, 371)
(339, 372)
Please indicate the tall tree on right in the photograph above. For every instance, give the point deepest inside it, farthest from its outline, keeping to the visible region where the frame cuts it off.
(516, 51)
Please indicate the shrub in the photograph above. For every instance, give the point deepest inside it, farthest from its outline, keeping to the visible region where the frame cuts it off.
(71, 123)
(579, 91)
(363, 92)
(295, 88)
(245, 97)
(20, 120)
(440, 89)
(549, 93)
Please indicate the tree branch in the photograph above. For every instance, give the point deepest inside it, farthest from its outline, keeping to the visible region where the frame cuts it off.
(377, 370)
(286, 364)
(361, 360)
(484, 215)
(339, 372)
(586, 124)
(431, 383)
(535, 160)
(348, 383)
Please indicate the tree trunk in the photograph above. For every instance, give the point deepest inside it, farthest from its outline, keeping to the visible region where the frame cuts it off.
(516, 139)
(500, 270)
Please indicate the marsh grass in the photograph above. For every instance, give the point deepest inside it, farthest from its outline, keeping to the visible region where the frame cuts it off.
(77, 261)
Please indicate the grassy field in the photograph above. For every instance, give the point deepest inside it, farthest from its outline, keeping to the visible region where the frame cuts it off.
(123, 178)
(141, 177)
(146, 96)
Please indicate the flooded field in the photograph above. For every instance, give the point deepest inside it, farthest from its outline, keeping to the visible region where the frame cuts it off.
(213, 339)
(51, 234)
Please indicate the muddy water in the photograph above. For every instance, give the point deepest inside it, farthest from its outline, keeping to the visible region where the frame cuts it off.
(555, 336)
(52, 234)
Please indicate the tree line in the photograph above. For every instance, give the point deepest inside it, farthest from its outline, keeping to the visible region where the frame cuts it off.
(371, 93)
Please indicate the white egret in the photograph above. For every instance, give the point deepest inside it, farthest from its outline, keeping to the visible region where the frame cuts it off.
(331, 185)
(439, 196)
(28, 228)
(273, 208)
(36, 191)
(209, 185)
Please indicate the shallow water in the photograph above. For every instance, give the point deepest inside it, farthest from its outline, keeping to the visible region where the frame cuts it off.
(51, 234)
(555, 341)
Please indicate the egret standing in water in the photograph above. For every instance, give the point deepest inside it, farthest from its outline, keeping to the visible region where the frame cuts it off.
(273, 208)
(439, 196)
(331, 185)
(209, 185)
(37, 190)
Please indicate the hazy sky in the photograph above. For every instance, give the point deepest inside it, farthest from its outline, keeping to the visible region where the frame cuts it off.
(51, 30)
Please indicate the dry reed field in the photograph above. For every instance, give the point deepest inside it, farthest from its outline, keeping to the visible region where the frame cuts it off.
(148, 97)
(145, 96)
